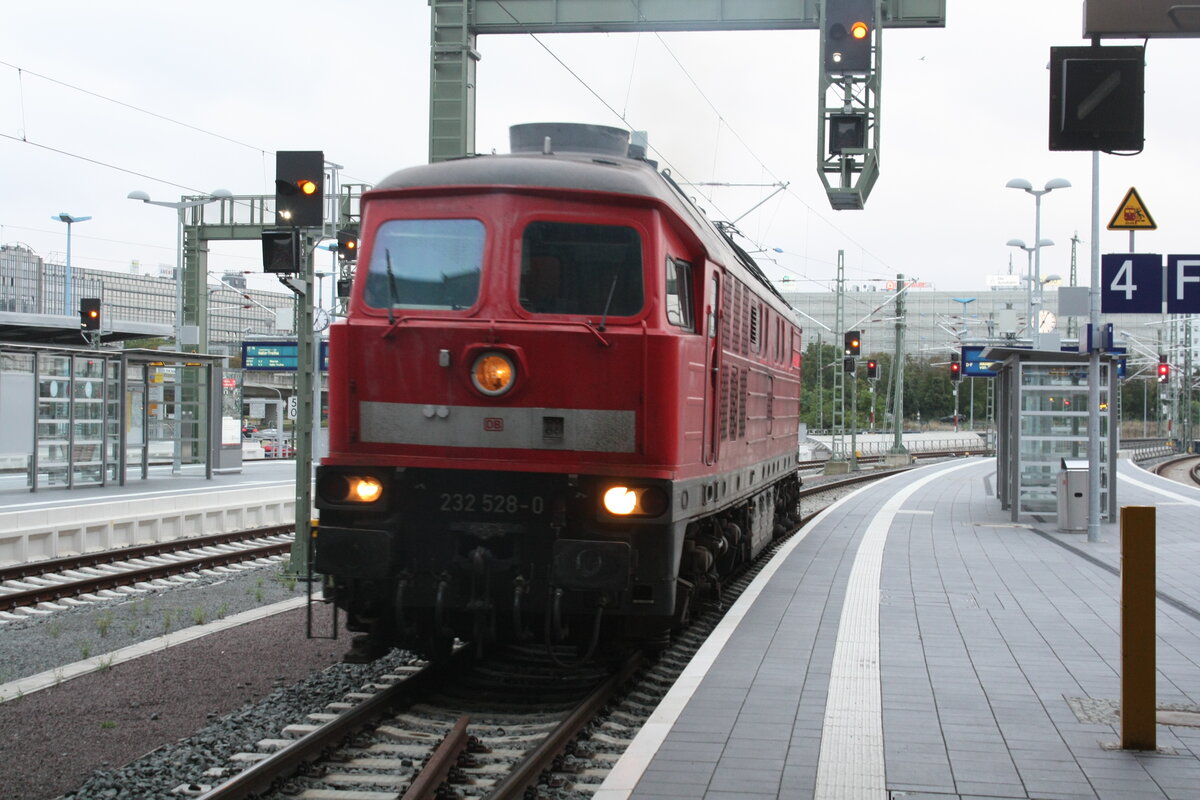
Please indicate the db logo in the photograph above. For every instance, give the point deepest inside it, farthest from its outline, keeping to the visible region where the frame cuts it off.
(493, 424)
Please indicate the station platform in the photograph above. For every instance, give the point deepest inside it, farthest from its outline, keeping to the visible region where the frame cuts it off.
(57, 522)
(913, 642)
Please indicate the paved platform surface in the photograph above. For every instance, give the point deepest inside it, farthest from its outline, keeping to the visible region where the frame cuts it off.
(15, 494)
(915, 644)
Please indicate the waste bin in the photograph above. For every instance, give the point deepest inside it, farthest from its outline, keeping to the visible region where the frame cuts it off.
(1073, 495)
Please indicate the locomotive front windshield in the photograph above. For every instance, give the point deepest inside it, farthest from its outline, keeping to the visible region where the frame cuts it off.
(571, 268)
(426, 263)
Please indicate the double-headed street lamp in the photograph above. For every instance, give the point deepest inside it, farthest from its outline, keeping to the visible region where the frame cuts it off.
(70, 220)
(1027, 187)
(180, 206)
(1032, 321)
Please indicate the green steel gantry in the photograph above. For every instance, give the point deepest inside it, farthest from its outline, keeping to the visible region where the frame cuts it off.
(848, 175)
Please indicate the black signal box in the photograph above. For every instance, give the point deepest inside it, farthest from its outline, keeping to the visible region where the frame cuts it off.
(1097, 98)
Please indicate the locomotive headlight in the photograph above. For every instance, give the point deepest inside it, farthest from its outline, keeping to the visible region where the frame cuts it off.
(643, 501)
(493, 373)
(366, 489)
(620, 500)
(342, 489)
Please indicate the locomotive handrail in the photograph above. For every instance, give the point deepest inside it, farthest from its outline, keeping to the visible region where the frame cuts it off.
(392, 326)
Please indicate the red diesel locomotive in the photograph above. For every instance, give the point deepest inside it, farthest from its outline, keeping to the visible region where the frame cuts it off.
(562, 405)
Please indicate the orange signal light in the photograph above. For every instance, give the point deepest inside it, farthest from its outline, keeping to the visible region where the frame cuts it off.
(307, 186)
(859, 30)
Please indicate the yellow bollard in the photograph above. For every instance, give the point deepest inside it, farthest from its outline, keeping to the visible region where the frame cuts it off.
(1137, 628)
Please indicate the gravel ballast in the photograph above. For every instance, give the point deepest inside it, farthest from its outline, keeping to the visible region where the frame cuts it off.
(141, 728)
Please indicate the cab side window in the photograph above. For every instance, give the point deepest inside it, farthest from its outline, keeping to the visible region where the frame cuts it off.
(680, 302)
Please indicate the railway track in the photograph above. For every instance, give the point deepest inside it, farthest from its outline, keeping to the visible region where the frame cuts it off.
(808, 466)
(1184, 469)
(422, 728)
(495, 729)
(28, 585)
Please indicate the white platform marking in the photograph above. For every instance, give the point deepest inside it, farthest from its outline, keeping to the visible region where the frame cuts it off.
(851, 761)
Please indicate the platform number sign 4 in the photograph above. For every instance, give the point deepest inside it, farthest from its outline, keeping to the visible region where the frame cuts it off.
(1131, 283)
(1137, 283)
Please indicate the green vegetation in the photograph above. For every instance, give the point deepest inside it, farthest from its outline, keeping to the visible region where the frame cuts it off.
(928, 390)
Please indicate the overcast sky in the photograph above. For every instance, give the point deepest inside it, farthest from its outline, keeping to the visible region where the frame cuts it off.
(98, 99)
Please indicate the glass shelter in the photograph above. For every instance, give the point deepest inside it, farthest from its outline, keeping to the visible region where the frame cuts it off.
(77, 418)
(1043, 413)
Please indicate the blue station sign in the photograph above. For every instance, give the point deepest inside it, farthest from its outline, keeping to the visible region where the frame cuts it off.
(276, 356)
(1140, 283)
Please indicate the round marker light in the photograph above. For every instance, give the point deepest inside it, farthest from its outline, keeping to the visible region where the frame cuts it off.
(619, 500)
(493, 374)
(859, 30)
(307, 186)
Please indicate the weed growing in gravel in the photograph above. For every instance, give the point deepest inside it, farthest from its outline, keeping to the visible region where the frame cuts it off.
(288, 581)
(108, 724)
(143, 607)
(222, 610)
(103, 622)
(132, 627)
(198, 615)
(55, 629)
(258, 594)
(167, 620)
(85, 648)
(106, 663)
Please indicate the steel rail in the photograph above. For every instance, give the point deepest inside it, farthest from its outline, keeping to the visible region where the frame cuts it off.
(58, 591)
(526, 773)
(437, 767)
(259, 777)
(34, 568)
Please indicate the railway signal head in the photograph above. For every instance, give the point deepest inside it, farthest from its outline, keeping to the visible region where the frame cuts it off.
(89, 313)
(347, 246)
(848, 365)
(955, 371)
(853, 343)
(872, 369)
(1164, 370)
(846, 38)
(300, 188)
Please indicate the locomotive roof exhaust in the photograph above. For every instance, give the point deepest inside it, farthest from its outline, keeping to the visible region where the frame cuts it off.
(572, 137)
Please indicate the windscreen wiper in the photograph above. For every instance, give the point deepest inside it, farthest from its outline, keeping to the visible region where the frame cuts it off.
(393, 294)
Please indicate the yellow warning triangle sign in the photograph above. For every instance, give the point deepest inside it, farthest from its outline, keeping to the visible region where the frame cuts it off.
(1132, 215)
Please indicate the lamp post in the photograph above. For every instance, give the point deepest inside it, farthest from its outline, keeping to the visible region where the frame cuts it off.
(1027, 187)
(1030, 322)
(180, 207)
(70, 220)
